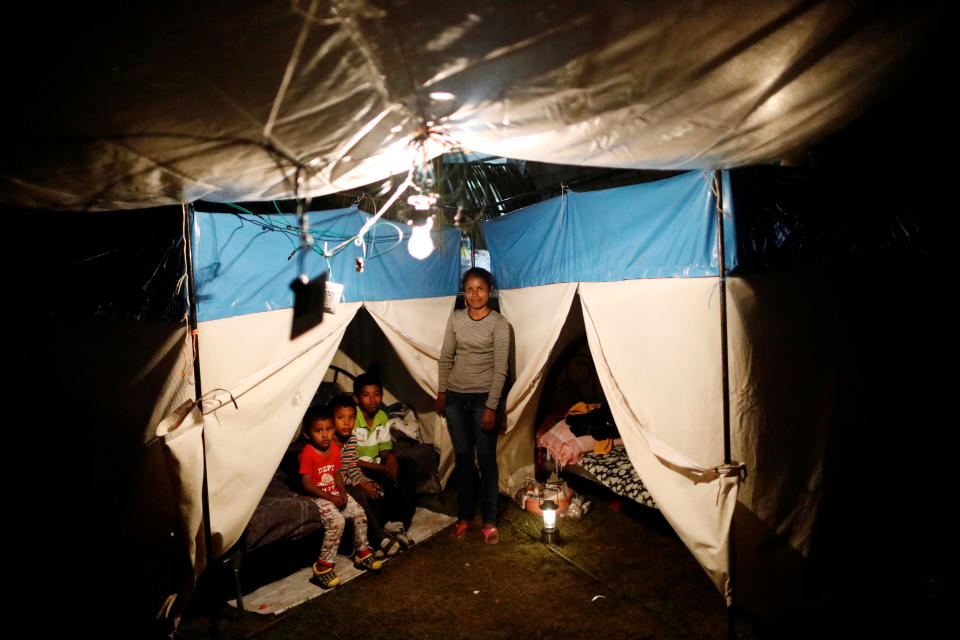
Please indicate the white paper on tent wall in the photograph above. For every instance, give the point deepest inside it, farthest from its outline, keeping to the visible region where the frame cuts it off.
(331, 296)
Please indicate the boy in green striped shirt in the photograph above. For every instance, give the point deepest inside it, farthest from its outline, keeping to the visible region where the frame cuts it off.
(397, 476)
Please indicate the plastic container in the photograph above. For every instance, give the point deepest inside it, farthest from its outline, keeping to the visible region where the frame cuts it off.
(561, 497)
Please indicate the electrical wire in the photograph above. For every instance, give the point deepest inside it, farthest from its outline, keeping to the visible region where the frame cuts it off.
(395, 245)
(292, 231)
(369, 223)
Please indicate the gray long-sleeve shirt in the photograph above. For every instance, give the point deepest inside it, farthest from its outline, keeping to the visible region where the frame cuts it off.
(474, 355)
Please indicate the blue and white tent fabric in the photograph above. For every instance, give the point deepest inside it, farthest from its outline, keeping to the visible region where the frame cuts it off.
(244, 263)
(257, 381)
(662, 229)
(644, 261)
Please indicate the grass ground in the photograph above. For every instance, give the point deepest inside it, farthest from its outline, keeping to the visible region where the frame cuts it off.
(620, 572)
(651, 587)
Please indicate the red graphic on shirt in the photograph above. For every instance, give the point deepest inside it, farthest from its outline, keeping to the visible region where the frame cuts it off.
(321, 467)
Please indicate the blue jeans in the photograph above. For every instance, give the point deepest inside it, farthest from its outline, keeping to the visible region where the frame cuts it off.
(464, 414)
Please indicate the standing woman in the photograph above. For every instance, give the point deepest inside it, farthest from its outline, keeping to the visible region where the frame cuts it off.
(473, 369)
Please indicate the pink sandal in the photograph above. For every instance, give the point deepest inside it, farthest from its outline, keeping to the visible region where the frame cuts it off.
(459, 530)
(491, 535)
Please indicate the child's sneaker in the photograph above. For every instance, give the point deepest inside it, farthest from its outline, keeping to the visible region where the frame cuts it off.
(389, 547)
(399, 532)
(367, 561)
(325, 575)
(405, 541)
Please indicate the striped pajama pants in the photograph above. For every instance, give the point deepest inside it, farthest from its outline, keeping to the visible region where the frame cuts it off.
(334, 521)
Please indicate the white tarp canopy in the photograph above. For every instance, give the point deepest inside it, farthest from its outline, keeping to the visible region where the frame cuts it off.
(140, 104)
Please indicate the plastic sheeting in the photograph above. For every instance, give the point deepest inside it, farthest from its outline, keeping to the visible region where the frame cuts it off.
(152, 103)
(795, 219)
(109, 265)
(663, 229)
(245, 263)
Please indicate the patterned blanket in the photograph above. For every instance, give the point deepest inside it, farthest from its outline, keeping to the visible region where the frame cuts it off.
(615, 471)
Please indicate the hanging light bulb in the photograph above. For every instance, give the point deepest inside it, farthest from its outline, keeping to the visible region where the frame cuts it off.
(421, 242)
(422, 201)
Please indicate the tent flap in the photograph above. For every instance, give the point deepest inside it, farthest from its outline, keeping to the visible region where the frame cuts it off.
(272, 379)
(536, 315)
(536, 322)
(415, 330)
(181, 434)
(662, 385)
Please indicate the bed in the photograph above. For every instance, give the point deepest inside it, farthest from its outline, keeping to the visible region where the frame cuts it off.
(584, 443)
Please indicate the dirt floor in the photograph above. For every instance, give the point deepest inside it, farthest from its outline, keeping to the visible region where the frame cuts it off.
(620, 572)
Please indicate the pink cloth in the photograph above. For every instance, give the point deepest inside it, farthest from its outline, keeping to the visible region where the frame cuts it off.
(566, 448)
(563, 446)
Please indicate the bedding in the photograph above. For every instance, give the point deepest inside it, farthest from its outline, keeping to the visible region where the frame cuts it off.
(575, 425)
(581, 455)
(615, 471)
(563, 446)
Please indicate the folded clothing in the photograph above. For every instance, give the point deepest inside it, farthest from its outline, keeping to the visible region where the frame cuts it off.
(581, 407)
(597, 423)
(602, 447)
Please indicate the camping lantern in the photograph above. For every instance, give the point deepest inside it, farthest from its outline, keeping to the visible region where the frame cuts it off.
(549, 535)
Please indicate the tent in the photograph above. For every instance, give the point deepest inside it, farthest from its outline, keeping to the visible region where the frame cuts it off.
(253, 398)
(642, 264)
(652, 245)
(659, 361)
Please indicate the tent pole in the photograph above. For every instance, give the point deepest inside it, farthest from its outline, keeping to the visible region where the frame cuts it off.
(188, 215)
(725, 382)
(724, 366)
(192, 298)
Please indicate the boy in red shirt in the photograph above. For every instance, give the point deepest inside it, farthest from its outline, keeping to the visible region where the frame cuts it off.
(320, 477)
